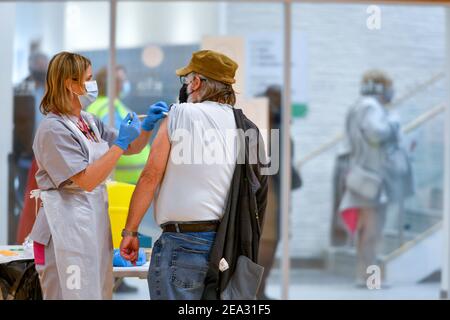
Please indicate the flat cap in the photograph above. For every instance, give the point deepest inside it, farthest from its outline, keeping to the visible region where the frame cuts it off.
(211, 64)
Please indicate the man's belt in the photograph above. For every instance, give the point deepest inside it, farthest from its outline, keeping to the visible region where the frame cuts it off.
(196, 226)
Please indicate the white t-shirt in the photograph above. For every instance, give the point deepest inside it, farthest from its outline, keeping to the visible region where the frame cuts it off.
(200, 165)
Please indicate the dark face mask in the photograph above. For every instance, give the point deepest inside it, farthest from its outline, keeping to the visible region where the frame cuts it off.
(183, 96)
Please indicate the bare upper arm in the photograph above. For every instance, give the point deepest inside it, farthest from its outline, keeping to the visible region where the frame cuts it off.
(159, 154)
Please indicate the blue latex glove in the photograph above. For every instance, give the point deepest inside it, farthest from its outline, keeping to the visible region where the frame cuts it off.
(119, 261)
(130, 128)
(154, 114)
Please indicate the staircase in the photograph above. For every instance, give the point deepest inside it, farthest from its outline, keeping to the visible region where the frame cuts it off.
(414, 259)
(410, 254)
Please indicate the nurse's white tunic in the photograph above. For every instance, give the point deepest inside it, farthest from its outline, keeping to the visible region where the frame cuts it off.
(74, 222)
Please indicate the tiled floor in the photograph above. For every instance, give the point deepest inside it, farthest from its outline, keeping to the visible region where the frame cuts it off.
(318, 284)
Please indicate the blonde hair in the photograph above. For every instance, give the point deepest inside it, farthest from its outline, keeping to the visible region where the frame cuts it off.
(62, 66)
(377, 76)
(217, 91)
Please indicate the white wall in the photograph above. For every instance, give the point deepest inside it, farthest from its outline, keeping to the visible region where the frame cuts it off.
(166, 23)
(86, 24)
(7, 18)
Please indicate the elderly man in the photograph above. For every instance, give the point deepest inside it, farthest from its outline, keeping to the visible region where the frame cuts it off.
(193, 190)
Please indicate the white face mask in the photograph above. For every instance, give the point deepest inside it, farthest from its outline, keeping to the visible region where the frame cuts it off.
(126, 89)
(91, 94)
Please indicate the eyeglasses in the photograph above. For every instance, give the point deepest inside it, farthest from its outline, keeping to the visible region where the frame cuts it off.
(183, 79)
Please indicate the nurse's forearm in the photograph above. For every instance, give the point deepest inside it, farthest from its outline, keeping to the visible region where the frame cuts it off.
(97, 172)
(137, 145)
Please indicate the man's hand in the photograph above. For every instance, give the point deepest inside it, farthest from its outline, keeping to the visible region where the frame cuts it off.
(129, 249)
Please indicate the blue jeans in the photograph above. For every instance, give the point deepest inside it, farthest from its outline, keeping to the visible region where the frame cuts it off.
(179, 264)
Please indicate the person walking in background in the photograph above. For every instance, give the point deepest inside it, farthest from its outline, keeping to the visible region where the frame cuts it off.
(379, 170)
(27, 117)
(34, 83)
(271, 230)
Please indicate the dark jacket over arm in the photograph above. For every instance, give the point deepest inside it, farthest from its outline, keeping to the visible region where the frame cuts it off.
(241, 226)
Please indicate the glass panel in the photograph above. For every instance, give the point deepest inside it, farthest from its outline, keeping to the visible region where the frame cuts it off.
(342, 43)
(154, 39)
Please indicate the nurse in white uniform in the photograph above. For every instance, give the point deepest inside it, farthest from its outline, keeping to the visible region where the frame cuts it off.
(75, 155)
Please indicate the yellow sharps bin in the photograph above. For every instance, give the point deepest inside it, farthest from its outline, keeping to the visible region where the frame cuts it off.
(119, 197)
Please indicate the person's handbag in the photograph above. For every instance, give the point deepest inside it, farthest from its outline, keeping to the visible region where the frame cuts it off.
(245, 281)
(19, 281)
(364, 183)
(398, 173)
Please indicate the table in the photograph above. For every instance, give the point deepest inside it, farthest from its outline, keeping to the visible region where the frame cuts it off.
(119, 272)
(133, 272)
(19, 254)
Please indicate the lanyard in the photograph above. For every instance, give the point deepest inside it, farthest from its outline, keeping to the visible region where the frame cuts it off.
(86, 130)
